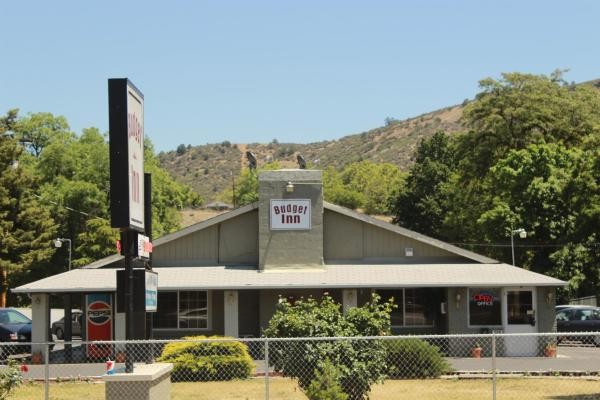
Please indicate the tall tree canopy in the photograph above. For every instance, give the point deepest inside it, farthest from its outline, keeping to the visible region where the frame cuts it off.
(528, 160)
(26, 227)
(61, 187)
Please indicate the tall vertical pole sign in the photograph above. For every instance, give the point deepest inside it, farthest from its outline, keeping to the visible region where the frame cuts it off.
(126, 136)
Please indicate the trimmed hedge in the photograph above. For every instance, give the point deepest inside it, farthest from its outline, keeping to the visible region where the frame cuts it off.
(415, 358)
(204, 360)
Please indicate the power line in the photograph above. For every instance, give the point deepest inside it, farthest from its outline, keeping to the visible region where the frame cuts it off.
(69, 208)
(525, 245)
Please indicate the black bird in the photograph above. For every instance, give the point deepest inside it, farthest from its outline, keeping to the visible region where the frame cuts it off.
(251, 160)
(301, 161)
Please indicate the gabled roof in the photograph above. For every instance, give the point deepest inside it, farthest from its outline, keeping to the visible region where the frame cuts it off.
(205, 224)
(327, 206)
(408, 233)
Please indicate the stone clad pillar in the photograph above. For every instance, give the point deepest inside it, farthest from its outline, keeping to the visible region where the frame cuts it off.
(290, 248)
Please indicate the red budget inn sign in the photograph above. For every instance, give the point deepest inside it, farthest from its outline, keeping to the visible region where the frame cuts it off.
(290, 214)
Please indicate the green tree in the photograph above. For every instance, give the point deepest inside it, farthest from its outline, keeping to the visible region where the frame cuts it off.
(246, 187)
(522, 109)
(40, 129)
(422, 203)
(334, 191)
(26, 228)
(360, 362)
(375, 181)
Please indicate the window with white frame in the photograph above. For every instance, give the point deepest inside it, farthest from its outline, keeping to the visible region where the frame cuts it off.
(182, 310)
(416, 306)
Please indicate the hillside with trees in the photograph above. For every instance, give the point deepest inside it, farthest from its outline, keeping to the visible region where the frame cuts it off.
(209, 168)
(530, 159)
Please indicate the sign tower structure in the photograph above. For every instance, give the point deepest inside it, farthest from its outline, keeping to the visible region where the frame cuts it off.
(127, 193)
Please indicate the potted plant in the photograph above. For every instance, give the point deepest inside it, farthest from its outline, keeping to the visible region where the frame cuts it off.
(476, 351)
(120, 357)
(36, 358)
(550, 350)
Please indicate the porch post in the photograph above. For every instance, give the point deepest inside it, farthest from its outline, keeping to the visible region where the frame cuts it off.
(230, 298)
(349, 299)
(40, 315)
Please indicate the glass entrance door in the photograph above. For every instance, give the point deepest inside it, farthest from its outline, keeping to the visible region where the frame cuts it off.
(520, 313)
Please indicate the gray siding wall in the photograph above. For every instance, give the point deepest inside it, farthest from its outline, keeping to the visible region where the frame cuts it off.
(238, 242)
(199, 247)
(349, 239)
(234, 241)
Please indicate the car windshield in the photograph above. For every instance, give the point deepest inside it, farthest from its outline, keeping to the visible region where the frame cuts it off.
(13, 317)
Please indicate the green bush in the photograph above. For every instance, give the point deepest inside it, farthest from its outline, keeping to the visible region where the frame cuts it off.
(415, 358)
(204, 360)
(10, 379)
(326, 384)
(360, 362)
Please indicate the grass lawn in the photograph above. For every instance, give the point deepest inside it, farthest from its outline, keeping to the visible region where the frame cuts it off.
(286, 389)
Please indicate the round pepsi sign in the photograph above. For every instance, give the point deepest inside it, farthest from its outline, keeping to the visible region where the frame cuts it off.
(99, 313)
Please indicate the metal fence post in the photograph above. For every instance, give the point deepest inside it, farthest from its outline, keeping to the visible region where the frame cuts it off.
(494, 365)
(47, 372)
(266, 368)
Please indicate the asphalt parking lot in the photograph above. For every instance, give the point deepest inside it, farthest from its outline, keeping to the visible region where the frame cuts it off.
(569, 358)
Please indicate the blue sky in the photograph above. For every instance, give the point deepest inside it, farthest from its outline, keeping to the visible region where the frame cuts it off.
(297, 71)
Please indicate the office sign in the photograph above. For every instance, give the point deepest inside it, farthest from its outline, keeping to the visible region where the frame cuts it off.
(126, 145)
(99, 323)
(290, 214)
(151, 291)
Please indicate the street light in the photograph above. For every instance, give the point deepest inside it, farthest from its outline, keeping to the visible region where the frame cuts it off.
(58, 244)
(522, 234)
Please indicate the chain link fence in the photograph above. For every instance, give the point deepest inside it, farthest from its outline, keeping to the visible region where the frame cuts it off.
(495, 365)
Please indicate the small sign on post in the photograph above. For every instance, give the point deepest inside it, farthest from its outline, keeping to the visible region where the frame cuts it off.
(151, 291)
(144, 247)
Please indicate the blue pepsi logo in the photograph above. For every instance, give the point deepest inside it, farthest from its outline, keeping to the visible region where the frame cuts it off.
(99, 313)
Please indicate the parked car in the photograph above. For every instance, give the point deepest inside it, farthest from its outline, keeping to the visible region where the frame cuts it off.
(563, 306)
(58, 327)
(579, 319)
(14, 328)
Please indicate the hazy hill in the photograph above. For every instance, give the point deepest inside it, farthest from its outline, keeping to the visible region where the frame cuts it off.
(209, 168)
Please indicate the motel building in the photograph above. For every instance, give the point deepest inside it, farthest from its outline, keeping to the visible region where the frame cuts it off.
(225, 275)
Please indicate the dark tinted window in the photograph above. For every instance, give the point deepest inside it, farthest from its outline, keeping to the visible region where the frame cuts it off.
(166, 315)
(397, 316)
(485, 306)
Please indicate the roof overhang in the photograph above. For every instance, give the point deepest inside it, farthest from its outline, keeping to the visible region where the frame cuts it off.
(331, 276)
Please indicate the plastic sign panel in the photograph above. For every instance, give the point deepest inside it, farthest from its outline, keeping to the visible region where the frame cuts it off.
(290, 214)
(144, 246)
(98, 323)
(151, 291)
(126, 145)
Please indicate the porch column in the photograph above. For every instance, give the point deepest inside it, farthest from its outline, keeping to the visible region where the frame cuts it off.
(40, 315)
(230, 299)
(349, 299)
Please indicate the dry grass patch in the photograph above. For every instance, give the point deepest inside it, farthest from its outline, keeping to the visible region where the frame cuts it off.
(506, 389)
(251, 389)
(286, 389)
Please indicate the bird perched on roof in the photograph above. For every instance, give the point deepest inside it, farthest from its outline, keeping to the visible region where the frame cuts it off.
(301, 161)
(251, 160)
